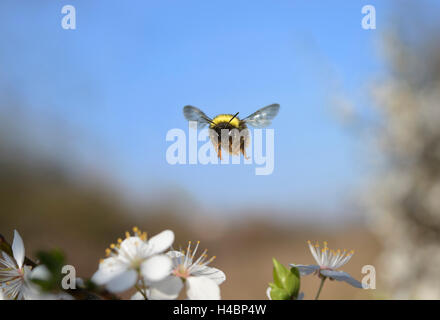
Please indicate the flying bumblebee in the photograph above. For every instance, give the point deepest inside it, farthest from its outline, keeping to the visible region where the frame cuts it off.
(236, 129)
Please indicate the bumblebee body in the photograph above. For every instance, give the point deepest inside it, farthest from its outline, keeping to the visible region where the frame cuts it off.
(229, 122)
(236, 133)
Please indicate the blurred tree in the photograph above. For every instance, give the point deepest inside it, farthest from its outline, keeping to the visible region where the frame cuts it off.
(404, 198)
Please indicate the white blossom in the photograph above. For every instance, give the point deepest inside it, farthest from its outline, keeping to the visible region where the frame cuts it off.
(328, 261)
(134, 259)
(201, 282)
(14, 275)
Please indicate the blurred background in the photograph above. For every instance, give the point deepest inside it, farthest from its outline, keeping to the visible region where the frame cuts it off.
(84, 114)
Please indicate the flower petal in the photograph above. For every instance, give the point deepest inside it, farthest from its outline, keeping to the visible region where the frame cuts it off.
(162, 241)
(341, 276)
(40, 272)
(108, 269)
(268, 290)
(7, 261)
(133, 247)
(123, 281)
(156, 268)
(18, 249)
(167, 289)
(305, 270)
(214, 274)
(202, 288)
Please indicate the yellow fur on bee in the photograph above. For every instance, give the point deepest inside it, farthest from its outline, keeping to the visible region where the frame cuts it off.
(226, 118)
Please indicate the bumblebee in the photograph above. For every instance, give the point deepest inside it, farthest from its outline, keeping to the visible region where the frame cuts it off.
(236, 137)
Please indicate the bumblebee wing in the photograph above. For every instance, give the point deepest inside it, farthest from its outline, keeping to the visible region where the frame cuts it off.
(194, 114)
(263, 117)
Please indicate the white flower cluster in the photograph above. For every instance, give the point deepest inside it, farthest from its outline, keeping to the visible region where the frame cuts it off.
(148, 265)
(156, 274)
(15, 276)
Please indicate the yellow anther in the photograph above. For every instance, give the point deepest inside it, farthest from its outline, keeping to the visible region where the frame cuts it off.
(135, 229)
(112, 246)
(127, 234)
(107, 251)
(119, 240)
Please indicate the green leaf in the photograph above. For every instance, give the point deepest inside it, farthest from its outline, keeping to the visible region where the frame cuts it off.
(272, 285)
(54, 261)
(285, 281)
(279, 273)
(279, 294)
(297, 283)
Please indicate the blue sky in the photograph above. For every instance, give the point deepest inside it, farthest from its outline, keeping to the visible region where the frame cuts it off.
(121, 79)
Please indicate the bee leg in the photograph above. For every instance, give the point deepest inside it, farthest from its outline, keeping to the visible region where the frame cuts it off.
(219, 152)
(243, 151)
